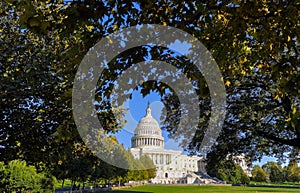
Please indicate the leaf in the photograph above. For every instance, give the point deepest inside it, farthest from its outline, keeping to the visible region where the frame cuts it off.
(34, 22)
(227, 83)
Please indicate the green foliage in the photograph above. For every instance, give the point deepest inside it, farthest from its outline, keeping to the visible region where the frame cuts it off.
(83, 165)
(274, 172)
(230, 172)
(258, 174)
(32, 93)
(4, 173)
(292, 172)
(150, 167)
(18, 176)
(140, 169)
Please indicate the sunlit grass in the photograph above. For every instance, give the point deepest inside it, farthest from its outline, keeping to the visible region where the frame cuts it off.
(199, 189)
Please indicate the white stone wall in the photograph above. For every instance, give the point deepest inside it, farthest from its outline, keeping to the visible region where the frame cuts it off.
(172, 166)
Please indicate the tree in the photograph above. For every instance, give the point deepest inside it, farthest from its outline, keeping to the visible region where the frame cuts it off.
(149, 165)
(32, 116)
(4, 182)
(273, 171)
(230, 172)
(258, 56)
(292, 172)
(18, 176)
(258, 174)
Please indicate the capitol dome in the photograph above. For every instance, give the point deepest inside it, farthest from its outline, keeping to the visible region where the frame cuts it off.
(147, 133)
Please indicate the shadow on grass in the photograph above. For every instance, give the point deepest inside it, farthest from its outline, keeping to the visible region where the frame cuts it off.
(128, 191)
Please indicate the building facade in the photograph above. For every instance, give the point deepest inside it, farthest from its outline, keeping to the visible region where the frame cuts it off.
(171, 165)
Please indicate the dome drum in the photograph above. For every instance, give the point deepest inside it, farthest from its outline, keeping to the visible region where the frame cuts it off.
(146, 141)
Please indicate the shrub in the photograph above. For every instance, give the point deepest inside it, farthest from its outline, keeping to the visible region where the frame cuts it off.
(18, 176)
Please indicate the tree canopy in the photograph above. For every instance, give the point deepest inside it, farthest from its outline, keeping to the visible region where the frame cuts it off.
(275, 173)
(17, 176)
(258, 174)
(255, 44)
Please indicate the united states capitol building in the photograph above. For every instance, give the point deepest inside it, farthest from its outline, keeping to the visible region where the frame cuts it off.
(172, 167)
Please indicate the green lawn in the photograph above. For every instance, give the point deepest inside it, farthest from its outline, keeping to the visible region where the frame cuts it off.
(277, 184)
(199, 189)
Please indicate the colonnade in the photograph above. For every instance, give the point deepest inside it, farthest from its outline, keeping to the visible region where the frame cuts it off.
(147, 142)
(159, 158)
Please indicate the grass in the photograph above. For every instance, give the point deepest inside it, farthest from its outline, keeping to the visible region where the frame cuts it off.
(277, 184)
(200, 189)
(68, 184)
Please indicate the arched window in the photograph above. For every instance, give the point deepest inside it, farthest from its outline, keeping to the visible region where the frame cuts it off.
(166, 175)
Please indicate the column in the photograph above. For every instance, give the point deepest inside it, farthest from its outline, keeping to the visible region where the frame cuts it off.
(167, 158)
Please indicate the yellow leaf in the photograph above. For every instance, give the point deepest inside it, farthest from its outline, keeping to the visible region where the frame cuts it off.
(289, 38)
(227, 83)
(164, 24)
(109, 40)
(18, 143)
(41, 111)
(294, 109)
(259, 66)
(288, 119)
(90, 28)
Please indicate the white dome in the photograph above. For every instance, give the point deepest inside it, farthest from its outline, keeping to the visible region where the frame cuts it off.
(147, 132)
